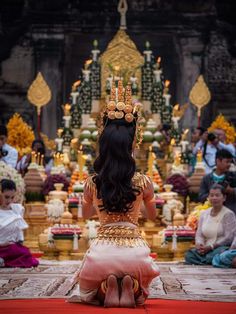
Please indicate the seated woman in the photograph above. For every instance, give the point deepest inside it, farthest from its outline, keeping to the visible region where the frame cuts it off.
(215, 229)
(12, 224)
(227, 259)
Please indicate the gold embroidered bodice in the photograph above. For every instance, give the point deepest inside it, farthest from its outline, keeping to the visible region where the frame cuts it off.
(140, 181)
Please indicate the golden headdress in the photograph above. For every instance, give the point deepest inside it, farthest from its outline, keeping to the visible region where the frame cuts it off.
(120, 106)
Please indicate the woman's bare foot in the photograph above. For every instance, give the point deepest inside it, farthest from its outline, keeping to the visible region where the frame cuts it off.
(127, 292)
(112, 293)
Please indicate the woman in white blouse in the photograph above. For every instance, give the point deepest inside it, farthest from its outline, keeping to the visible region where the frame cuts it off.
(215, 231)
(12, 224)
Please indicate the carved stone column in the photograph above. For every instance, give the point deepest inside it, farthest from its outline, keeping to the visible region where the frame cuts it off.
(190, 51)
(49, 54)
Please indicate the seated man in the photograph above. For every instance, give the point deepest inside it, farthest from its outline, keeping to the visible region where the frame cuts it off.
(222, 176)
(8, 154)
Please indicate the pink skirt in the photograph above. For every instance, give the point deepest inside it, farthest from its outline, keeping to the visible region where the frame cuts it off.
(17, 255)
(102, 260)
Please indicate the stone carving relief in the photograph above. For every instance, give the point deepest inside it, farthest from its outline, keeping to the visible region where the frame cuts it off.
(221, 66)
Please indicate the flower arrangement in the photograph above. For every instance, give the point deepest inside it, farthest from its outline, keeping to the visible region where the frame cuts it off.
(192, 220)
(48, 184)
(7, 172)
(221, 123)
(20, 135)
(180, 184)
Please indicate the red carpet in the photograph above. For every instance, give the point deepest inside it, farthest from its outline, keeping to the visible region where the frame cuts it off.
(151, 307)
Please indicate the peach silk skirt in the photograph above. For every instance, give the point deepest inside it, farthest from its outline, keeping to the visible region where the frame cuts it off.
(103, 259)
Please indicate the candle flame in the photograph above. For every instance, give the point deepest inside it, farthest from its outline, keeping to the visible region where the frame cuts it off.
(176, 107)
(59, 132)
(159, 60)
(74, 140)
(76, 83)
(167, 83)
(172, 142)
(67, 106)
(88, 62)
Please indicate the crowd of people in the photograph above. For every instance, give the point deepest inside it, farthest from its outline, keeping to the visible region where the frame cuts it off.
(121, 257)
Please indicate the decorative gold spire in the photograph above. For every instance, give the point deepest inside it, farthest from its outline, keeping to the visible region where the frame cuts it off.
(122, 54)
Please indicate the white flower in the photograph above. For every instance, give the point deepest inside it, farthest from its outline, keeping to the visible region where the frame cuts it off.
(7, 172)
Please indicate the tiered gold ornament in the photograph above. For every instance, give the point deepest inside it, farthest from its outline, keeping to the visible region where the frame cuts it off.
(200, 95)
(39, 94)
(122, 55)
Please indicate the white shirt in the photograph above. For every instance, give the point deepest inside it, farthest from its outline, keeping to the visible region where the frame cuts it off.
(210, 158)
(12, 156)
(12, 224)
(229, 147)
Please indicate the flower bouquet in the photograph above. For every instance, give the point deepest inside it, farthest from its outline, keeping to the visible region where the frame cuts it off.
(48, 184)
(180, 184)
(7, 172)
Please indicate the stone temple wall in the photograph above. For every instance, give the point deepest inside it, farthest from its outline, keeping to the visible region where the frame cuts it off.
(55, 37)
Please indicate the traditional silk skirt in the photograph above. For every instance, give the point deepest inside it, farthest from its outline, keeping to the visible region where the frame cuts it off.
(17, 255)
(118, 255)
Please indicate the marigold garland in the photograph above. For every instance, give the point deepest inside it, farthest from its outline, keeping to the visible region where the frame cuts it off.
(222, 123)
(20, 135)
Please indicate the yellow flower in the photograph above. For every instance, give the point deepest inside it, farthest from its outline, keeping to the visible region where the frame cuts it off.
(20, 134)
(221, 123)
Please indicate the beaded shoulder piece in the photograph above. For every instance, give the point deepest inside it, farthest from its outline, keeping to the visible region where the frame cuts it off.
(89, 184)
(139, 180)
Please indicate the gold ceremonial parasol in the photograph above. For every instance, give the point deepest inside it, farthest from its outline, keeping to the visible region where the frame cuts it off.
(200, 95)
(39, 94)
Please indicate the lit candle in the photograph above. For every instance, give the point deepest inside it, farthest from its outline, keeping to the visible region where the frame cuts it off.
(74, 93)
(38, 158)
(157, 74)
(59, 141)
(42, 159)
(176, 122)
(81, 162)
(86, 72)
(165, 93)
(33, 159)
(67, 121)
(158, 63)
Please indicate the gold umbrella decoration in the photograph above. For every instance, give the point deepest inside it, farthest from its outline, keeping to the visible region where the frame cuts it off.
(200, 95)
(39, 94)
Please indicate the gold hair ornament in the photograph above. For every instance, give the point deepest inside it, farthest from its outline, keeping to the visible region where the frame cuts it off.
(120, 106)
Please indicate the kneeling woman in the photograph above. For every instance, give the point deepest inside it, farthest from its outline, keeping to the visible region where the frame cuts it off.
(117, 268)
(12, 224)
(215, 229)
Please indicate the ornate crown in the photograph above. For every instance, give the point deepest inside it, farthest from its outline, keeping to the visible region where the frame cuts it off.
(120, 104)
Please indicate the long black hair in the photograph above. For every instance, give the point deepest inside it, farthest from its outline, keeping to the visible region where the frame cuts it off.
(115, 166)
